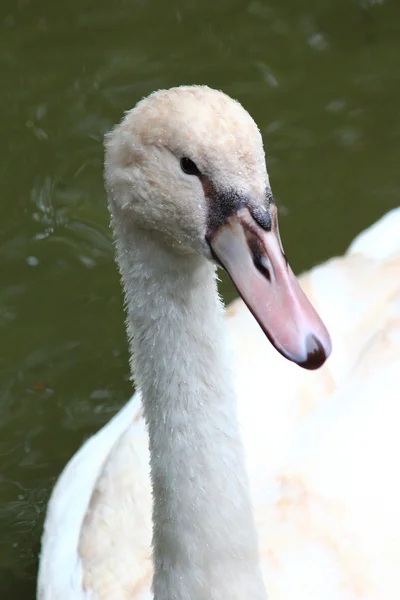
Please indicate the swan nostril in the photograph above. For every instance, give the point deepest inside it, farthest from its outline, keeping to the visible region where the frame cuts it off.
(316, 355)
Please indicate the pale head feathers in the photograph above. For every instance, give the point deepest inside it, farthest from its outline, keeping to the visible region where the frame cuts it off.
(143, 175)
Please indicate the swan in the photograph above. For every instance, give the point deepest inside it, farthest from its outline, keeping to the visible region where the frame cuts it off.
(205, 485)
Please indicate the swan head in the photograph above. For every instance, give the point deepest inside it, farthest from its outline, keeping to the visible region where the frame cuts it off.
(188, 166)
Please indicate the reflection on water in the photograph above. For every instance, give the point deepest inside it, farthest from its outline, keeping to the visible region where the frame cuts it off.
(320, 78)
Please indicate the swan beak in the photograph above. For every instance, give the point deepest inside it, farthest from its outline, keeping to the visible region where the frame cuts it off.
(252, 255)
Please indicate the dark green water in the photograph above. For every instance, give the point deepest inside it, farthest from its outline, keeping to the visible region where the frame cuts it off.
(322, 79)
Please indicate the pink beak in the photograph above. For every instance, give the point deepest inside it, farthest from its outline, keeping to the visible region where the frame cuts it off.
(255, 262)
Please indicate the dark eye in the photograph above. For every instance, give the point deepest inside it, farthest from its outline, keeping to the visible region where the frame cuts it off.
(189, 167)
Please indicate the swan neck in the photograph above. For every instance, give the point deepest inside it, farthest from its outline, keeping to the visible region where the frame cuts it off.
(204, 540)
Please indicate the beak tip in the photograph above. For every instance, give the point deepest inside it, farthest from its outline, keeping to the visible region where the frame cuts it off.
(316, 353)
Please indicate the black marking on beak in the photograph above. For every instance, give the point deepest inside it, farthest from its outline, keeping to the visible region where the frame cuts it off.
(262, 217)
(223, 204)
(259, 260)
(315, 354)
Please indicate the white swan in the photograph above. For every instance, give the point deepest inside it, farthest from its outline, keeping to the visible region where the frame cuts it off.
(321, 448)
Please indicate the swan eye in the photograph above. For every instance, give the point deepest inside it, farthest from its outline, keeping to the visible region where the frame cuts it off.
(189, 167)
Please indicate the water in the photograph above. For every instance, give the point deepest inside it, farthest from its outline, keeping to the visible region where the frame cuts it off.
(321, 78)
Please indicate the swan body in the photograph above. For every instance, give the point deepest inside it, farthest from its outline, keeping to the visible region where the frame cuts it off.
(320, 447)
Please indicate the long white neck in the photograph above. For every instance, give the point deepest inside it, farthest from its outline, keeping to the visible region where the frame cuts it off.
(204, 539)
